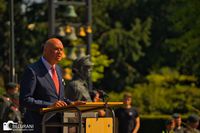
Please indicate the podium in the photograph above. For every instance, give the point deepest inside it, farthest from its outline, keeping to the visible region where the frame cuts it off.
(92, 124)
(99, 125)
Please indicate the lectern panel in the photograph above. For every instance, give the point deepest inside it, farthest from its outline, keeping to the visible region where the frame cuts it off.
(99, 125)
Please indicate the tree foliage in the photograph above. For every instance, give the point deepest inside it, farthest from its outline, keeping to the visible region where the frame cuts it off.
(184, 15)
(167, 91)
(122, 36)
(139, 37)
(100, 62)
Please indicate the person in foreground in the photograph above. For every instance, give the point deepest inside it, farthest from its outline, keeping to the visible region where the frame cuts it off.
(41, 86)
(128, 116)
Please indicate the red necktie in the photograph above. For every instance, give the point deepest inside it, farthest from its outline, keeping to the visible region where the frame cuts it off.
(55, 79)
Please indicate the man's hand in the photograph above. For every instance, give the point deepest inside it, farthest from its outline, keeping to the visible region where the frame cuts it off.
(78, 102)
(58, 104)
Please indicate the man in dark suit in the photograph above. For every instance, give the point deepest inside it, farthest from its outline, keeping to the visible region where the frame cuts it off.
(41, 85)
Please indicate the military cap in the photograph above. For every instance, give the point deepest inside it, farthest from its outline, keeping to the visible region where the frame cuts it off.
(82, 61)
(11, 85)
(176, 115)
(193, 118)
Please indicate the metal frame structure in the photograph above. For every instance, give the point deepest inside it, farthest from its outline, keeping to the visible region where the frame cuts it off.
(52, 11)
(50, 114)
(52, 21)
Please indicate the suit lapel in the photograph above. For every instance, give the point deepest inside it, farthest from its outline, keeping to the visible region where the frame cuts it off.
(47, 76)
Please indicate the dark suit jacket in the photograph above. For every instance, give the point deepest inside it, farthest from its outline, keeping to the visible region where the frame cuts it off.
(37, 90)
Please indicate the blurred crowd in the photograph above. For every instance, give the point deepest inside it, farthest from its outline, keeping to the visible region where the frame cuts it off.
(176, 125)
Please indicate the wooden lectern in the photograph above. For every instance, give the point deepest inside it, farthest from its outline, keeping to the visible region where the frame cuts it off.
(106, 124)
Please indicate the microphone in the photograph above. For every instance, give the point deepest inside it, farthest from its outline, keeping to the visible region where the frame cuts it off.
(67, 101)
(103, 94)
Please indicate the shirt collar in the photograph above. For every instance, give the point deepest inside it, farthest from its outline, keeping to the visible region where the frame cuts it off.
(46, 63)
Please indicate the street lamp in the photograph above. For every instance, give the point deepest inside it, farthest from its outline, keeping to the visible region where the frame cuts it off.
(12, 44)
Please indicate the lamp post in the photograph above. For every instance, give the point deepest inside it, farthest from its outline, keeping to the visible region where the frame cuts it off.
(12, 44)
(52, 4)
(51, 18)
(89, 23)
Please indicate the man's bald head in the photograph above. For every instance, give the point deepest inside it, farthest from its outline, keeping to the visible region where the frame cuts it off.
(53, 50)
(52, 41)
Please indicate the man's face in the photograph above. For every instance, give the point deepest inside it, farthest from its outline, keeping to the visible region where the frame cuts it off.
(194, 124)
(170, 126)
(13, 91)
(96, 98)
(178, 121)
(14, 95)
(54, 51)
(86, 71)
(127, 100)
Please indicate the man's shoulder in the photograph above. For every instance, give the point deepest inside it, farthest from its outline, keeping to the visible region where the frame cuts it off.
(180, 130)
(134, 109)
(191, 131)
(120, 109)
(35, 64)
(76, 82)
(5, 99)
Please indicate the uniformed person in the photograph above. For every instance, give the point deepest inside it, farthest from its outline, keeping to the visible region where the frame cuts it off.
(9, 104)
(169, 126)
(77, 89)
(178, 123)
(192, 124)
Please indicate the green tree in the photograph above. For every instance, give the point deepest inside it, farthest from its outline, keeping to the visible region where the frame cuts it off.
(166, 91)
(100, 62)
(30, 31)
(184, 15)
(122, 36)
(125, 47)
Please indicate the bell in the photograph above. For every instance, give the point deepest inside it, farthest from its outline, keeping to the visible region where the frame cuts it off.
(71, 53)
(70, 12)
(71, 36)
(81, 52)
(60, 32)
(67, 74)
(68, 29)
(82, 32)
(89, 29)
